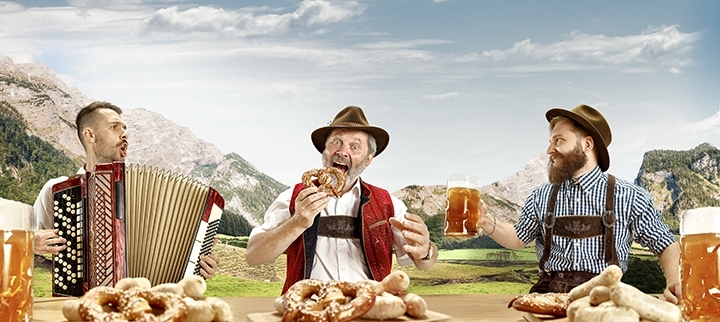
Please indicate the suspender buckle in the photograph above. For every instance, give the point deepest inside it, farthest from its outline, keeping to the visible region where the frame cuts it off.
(608, 219)
(549, 221)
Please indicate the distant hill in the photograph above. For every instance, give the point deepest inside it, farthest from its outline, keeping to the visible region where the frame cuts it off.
(681, 180)
(27, 161)
(503, 198)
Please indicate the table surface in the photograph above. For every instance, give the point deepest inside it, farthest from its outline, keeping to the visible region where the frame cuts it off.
(460, 307)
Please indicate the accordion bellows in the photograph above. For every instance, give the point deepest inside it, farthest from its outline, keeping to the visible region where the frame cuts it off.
(139, 222)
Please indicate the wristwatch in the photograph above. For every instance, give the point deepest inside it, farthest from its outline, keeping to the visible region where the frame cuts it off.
(429, 254)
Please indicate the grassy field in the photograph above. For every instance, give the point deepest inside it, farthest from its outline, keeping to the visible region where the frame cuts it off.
(459, 271)
(448, 276)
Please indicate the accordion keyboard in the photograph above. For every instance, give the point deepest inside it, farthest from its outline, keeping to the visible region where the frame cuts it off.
(68, 265)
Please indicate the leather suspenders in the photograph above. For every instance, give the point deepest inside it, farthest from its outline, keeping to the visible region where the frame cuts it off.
(582, 226)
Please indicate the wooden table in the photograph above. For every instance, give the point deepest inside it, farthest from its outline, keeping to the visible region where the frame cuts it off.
(465, 307)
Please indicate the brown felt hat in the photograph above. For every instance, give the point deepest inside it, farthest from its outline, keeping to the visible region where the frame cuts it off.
(592, 121)
(351, 117)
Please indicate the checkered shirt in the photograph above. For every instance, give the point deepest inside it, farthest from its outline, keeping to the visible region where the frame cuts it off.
(636, 218)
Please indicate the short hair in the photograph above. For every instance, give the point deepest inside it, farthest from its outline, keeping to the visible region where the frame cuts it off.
(87, 116)
(579, 131)
(372, 144)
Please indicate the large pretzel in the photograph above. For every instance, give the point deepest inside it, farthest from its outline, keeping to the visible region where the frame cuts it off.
(324, 179)
(138, 305)
(315, 301)
(92, 305)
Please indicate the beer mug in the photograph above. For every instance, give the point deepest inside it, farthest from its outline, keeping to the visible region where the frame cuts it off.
(699, 263)
(17, 228)
(462, 206)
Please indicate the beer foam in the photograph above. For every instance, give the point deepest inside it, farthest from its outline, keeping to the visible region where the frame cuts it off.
(16, 215)
(700, 221)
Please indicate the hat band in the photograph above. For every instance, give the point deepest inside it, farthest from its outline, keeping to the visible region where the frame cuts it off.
(353, 124)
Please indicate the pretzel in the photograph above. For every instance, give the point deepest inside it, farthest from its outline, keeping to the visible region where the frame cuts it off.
(325, 179)
(312, 300)
(138, 305)
(92, 303)
(554, 304)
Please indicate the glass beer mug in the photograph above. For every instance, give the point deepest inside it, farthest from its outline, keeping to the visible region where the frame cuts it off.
(462, 206)
(17, 228)
(699, 264)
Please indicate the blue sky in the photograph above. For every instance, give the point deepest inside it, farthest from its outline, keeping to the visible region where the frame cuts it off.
(461, 86)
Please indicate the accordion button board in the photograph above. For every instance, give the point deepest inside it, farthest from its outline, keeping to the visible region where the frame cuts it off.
(68, 265)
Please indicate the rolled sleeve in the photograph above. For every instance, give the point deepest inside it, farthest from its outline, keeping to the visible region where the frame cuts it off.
(403, 258)
(277, 213)
(650, 230)
(528, 224)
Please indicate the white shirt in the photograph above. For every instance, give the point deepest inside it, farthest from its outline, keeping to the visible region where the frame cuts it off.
(337, 258)
(43, 207)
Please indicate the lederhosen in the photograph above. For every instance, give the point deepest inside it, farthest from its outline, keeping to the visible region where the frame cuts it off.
(576, 227)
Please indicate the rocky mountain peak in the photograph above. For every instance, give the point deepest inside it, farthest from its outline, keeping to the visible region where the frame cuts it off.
(157, 141)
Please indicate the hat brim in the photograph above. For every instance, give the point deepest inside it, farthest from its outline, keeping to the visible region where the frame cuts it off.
(603, 155)
(319, 136)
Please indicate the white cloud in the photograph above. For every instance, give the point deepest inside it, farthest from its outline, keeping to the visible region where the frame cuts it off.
(661, 44)
(403, 44)
(249, 22)
(441, 96)
(707, 126)
(8, 7)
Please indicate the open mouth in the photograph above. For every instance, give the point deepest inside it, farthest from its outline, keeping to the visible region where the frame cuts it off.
(341, 166)
(123, 150)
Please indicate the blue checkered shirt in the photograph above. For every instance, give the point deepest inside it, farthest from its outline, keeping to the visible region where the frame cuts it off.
(634, 210)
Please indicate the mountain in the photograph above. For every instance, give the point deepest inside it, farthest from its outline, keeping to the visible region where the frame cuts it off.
(503, 198)
(681, 180)
(45, 107)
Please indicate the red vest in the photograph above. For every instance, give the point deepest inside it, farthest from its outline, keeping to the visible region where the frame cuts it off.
(376, 240)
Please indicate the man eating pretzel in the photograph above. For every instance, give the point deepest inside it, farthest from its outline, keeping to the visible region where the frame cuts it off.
(351, 237)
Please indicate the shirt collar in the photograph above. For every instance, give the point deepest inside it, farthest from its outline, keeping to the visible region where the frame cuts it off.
(587, 180)
(355, 190)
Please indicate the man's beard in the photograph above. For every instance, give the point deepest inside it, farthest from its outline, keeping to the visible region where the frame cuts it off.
(571, 163)
(106, 152)
(353, 172)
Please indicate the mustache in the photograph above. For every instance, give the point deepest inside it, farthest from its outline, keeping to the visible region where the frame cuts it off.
(339, 159)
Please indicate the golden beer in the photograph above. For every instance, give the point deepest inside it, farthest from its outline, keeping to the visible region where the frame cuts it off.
(16, 262)
(699, 266)
(462, 212)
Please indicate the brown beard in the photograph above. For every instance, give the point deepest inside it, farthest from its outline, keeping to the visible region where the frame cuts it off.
(572, 162)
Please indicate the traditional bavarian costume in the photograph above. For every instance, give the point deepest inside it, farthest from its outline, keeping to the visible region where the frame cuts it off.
(583, 225)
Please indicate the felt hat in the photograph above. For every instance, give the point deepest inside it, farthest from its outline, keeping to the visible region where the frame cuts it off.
(351, 117)
(594, 123)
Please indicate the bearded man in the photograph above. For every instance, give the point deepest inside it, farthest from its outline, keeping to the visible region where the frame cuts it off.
(585, 219)
(348, 237)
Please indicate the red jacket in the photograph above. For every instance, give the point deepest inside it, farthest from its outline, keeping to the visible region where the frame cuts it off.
(377, 241)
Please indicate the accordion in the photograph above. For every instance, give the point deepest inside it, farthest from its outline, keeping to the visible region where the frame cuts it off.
(131, 221)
